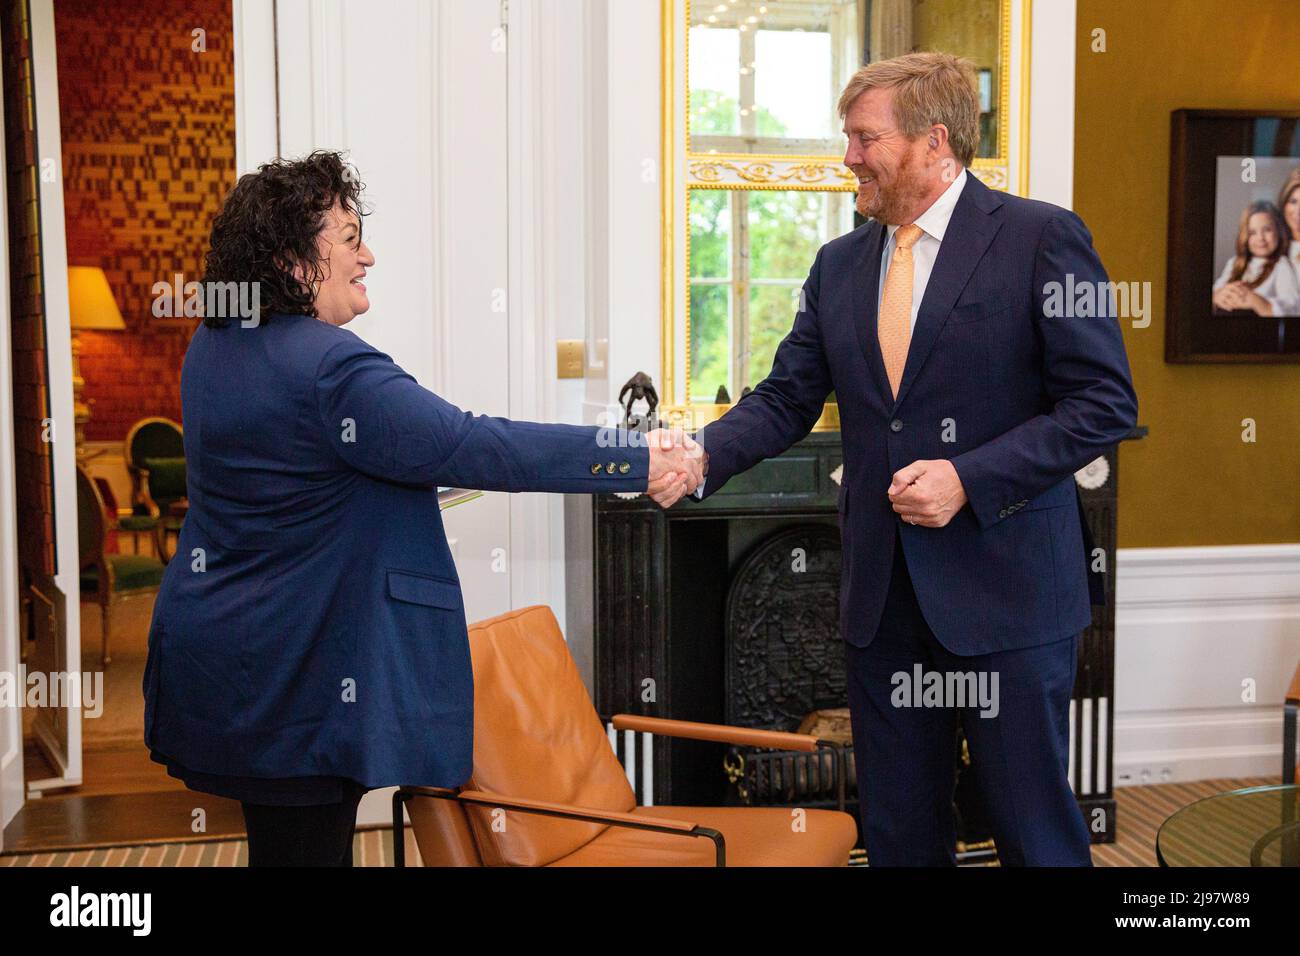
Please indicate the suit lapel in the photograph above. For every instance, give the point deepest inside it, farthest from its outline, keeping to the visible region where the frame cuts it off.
(866, 288)
(969, 232)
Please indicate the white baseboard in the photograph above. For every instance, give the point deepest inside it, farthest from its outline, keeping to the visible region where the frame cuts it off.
(1192, 627)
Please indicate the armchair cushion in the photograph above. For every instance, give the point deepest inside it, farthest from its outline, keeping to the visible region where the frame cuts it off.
(756, 836)
(137, 523)
(131, 572)
(166, 479)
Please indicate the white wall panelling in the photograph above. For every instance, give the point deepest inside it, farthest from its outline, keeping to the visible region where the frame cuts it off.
(1192, 624)
(623, 177)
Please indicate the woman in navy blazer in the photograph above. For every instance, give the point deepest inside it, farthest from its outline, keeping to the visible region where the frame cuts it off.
(309, 641)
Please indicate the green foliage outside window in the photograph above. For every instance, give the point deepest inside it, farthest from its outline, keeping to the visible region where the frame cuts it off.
(785, 228)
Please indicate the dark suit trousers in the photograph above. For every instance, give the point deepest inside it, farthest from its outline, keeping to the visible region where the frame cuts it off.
(317, 835)
(906, 755)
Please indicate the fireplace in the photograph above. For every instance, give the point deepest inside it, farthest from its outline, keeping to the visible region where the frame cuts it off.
(783, 658)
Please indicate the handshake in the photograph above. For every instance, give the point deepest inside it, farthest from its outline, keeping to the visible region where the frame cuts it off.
(678, 465)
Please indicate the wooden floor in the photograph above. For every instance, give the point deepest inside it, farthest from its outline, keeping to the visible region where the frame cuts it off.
(372, 848)
(126, 798)
(120, 770)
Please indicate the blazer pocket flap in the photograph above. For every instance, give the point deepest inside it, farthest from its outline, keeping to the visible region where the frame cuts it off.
(986, 306)
(418, 589)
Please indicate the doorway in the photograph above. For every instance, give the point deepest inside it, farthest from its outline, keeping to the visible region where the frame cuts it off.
(120, 146)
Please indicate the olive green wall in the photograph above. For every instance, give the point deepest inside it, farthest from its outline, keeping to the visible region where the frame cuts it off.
(1193, 481)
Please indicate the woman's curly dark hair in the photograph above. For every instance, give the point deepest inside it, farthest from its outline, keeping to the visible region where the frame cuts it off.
(269, 223)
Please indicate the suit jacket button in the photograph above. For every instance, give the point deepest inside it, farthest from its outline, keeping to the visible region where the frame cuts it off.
(595, 469)
(896, 426)
(609, 469)
(624, 468)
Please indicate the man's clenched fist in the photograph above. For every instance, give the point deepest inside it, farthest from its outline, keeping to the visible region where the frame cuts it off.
(927, 493)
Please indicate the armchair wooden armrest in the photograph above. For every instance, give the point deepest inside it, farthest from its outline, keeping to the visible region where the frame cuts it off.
(741, 737)
(140, 491)
(483, 798)
(718, 733)
(139, 483)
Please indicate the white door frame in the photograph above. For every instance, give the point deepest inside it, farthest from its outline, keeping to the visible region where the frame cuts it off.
(11, 718)
(536, 521)
(257, 136)
(64, 754)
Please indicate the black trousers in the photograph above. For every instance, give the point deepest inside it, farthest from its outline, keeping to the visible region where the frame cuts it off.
(319, 835)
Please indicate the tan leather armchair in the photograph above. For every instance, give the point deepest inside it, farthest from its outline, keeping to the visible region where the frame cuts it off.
(547, 790)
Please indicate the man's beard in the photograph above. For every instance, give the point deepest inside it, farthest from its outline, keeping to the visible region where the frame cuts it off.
(890, 205)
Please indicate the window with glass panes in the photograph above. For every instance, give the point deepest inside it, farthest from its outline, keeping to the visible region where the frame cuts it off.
(763, 81)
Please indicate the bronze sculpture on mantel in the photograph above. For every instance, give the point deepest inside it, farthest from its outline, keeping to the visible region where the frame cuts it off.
(640, 387)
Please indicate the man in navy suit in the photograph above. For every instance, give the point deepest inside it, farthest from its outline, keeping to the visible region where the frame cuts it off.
(967, 402)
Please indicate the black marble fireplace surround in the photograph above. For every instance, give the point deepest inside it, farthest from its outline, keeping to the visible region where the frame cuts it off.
(648, 617)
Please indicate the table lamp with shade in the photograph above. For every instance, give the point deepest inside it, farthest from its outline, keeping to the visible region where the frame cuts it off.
(92, 308)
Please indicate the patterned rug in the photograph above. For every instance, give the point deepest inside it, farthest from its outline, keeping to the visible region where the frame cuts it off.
(369, 848)
(121, 720)
(1141, 810)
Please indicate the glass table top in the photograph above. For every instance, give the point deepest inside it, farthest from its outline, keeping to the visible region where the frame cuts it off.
(1258, 826)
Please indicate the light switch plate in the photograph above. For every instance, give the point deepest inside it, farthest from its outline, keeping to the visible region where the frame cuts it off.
(568, 358)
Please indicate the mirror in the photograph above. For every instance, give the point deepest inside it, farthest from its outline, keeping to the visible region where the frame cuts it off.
(969, 28)
(765, 77)
(755, 128)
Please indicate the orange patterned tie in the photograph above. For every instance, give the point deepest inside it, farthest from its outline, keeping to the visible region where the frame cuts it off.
(895, 321)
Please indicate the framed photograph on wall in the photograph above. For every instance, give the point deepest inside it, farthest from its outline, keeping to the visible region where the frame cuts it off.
(1233, 292)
